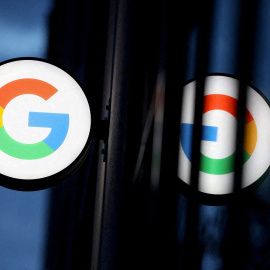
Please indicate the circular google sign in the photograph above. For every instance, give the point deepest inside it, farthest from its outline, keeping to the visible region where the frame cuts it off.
(45, 123)
(218, 141)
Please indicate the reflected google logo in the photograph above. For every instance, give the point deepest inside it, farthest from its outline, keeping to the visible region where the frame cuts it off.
(218, 141)
(218, 166)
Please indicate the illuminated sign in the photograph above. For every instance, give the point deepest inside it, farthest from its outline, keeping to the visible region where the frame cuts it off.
(217, 153)
(45, 123)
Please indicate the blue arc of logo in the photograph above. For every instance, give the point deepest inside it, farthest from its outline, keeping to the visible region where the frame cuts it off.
(58, 122)
(209, 133)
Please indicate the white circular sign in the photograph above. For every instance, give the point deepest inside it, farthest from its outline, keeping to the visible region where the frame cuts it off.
(218, 140)
(45, 122)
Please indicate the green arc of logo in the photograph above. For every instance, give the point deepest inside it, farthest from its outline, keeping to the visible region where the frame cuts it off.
(21, 150)
(220, 166)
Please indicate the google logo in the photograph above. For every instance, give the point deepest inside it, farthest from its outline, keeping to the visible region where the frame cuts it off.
(59, 123)
(218, 139)
(45, 124)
